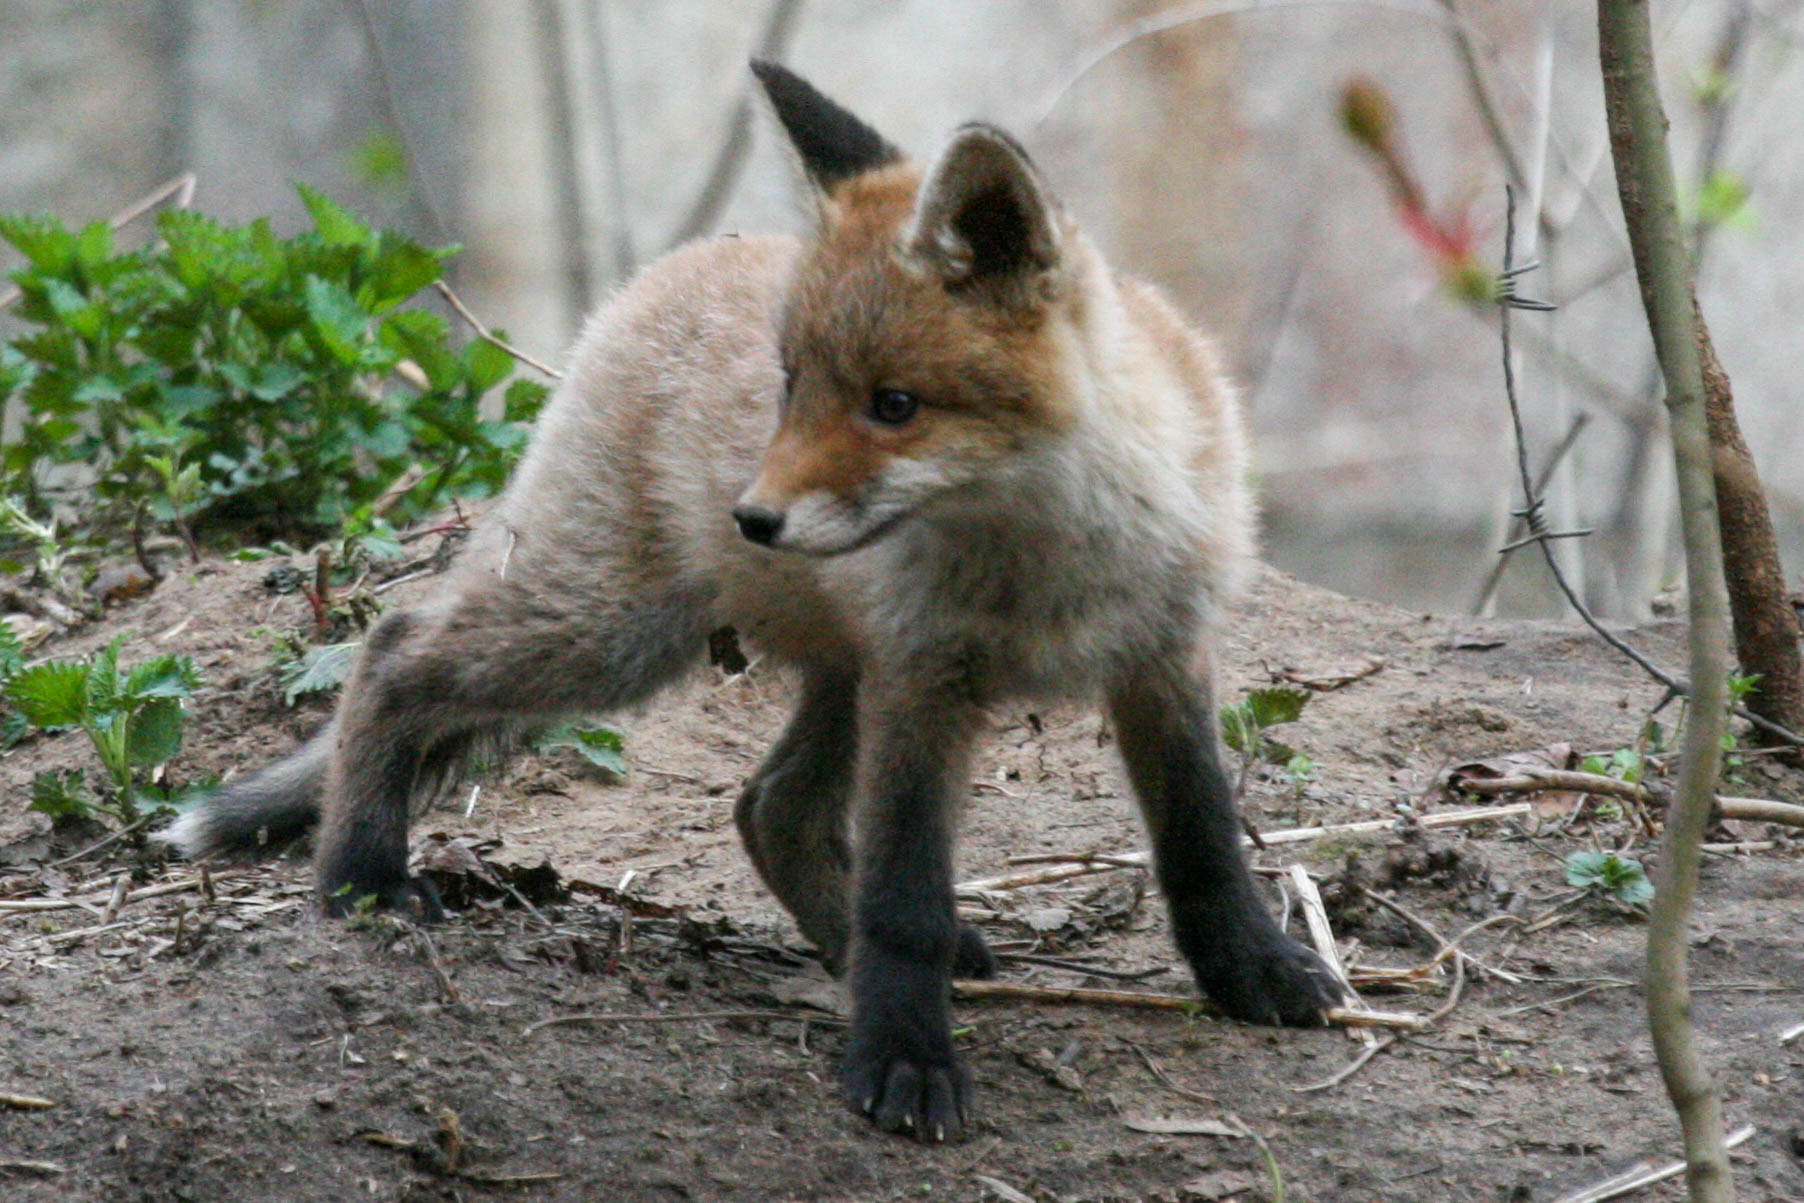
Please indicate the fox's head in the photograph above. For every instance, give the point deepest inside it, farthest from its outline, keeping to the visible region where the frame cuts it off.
(928, 336)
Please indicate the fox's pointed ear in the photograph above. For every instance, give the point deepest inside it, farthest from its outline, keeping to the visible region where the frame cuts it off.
(833, 144)
(983, 217)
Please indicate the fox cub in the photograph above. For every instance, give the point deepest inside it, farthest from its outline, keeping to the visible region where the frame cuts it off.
(936, 456)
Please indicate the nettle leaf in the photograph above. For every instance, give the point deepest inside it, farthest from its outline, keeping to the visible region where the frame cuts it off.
(320, 670)
(487, 365)
(524, 399)
(103, 695)
(162, 677)
(12, 652)
(61, 793)
(1238, 730)
(336, 225)
(155, 733)
(1619, 877)
(1277, 704)
(402, 268)
(42, 240)
(94, 247)
(336, 317)
(51, 695)
(601, 746)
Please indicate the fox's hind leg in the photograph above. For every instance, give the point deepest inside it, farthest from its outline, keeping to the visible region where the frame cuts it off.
(1165, 722)
(492, 654)
(792, 817)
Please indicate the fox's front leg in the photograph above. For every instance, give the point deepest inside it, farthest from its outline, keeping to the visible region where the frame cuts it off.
(1165, 722)
(914, 759)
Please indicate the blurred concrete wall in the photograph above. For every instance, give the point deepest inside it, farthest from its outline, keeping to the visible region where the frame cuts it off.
(562, 140)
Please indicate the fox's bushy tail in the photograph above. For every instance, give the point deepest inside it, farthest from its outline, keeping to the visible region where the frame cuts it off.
(265, 810)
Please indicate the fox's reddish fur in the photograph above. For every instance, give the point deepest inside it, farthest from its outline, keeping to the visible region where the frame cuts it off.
(969, 464)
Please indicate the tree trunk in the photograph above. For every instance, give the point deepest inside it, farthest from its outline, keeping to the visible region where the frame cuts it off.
(1766, 631)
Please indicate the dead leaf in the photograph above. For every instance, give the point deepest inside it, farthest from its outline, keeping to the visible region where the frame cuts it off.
(1043, 1062)
(1217, 1184)
(1510, 764)
(1325, 680)
(815, 990)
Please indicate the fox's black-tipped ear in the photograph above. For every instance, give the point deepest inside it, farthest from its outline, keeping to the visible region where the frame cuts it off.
(834, 145)
(983, 217)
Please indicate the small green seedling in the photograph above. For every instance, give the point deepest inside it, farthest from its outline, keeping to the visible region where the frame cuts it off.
(134, 720)
(1244, 723)
(1624, 764)
(1610, 875)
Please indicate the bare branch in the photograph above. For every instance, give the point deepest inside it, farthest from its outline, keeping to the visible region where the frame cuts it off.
(1644, 180)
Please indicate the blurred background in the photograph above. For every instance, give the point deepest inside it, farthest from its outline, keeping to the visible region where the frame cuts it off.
(563, 142)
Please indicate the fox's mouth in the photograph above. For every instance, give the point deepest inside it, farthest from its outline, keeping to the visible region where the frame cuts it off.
(805, 531)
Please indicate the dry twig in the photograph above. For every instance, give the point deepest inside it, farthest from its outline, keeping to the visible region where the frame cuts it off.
(487, 336)
(1636, 1177)
(684, 1017)
(974, 991)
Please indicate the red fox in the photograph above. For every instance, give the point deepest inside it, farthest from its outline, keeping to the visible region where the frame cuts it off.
(936, 456)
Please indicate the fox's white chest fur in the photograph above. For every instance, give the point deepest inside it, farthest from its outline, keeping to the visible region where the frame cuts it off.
(1056, 579)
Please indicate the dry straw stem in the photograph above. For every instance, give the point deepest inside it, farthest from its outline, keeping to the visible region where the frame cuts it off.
(1644, 180)
(25, 1102)
(1081, 864)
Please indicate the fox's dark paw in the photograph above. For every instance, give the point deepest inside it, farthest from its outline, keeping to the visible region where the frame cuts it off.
(410, 897)
(1269, 978)
(973, 959)
(895, 1078)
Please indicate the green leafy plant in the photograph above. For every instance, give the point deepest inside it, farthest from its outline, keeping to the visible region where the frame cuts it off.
(134, 720)
(600, 745)
(13, 726)
(1624, 764)
(1244, 724)
(228, 375)
(1610, 875)
(1300, 770)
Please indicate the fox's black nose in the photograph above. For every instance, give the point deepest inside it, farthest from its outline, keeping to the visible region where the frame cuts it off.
(758, 524)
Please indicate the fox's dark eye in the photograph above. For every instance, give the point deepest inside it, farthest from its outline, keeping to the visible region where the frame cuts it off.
(892, 406)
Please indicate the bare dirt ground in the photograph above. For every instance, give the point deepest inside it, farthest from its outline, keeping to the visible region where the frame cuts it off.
(237, 1048)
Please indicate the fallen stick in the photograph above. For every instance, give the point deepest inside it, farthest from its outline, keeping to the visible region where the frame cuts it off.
(1080, 864)
(93, 901)
(1638, 1176)
(1346, 1017)
(1528, 780)
(1321, 934)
